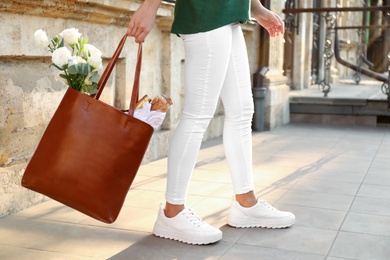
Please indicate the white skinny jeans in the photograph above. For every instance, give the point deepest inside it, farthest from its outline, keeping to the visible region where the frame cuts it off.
(216, 66)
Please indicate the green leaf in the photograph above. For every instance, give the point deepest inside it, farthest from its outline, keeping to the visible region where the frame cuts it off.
(62, 44)
(95, 77)
(94, 90)
(85, 69)
(64, 76)
(74, 69)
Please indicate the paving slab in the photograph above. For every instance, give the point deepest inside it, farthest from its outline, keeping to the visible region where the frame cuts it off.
(335, 179)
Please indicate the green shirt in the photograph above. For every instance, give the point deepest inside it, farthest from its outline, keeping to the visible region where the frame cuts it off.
(194, 16)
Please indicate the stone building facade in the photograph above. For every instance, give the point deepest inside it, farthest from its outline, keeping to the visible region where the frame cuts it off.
(29, 92)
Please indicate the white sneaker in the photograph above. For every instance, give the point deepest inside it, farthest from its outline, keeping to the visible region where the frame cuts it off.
(260, 215)
(186, 227)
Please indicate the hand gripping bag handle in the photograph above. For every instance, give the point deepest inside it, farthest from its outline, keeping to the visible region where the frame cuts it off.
(107, 72)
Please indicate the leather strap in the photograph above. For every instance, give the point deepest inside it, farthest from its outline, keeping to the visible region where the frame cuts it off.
(135, 92)
(107, 72)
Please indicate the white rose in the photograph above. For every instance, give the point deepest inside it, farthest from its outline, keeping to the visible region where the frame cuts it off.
(41, 38)
(71, 36)
(61, 56)
(74, 60)
(94, 56)
(91, 50)
(95, 62)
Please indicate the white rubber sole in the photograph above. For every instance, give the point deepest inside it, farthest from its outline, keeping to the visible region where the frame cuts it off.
(260, 226)
(190, 242)
(255, 224)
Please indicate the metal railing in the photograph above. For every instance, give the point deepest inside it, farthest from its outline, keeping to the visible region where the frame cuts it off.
(329, 50)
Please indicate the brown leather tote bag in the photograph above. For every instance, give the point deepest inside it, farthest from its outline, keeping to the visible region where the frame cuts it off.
(90, 152)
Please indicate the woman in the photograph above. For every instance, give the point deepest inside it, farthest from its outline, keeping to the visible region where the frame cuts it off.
(216, 67)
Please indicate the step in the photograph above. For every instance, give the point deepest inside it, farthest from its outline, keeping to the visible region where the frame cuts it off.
(339, 111)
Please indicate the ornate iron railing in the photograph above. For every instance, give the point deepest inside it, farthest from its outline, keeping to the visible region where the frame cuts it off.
(329, 14)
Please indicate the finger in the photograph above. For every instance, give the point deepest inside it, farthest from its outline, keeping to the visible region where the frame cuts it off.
(141, 37)
(134, 31)
(139, 32)
(130, 28)
(281, 27)
(280, 24)
(277, 29)
(274, 31)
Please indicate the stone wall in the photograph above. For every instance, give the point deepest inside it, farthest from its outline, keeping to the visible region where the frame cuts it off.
(277, 112)
(29, 93)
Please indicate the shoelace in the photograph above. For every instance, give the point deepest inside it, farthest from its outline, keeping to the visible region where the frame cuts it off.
(265, 204)
(195, 220)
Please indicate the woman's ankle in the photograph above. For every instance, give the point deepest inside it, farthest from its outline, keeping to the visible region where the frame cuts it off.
(172, 210)
(246, 200)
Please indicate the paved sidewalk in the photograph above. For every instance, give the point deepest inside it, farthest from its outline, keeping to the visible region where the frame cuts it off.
(335, 179)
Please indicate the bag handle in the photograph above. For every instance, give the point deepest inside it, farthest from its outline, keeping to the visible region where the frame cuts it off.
(107, 72)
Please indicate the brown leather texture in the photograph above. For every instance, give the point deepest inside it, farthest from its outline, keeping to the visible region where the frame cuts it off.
(90, 152)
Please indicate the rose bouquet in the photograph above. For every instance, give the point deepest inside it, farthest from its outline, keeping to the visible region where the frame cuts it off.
(78, 63)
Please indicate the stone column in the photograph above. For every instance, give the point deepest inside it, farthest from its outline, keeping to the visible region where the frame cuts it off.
(303, 40)
(277, 110)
